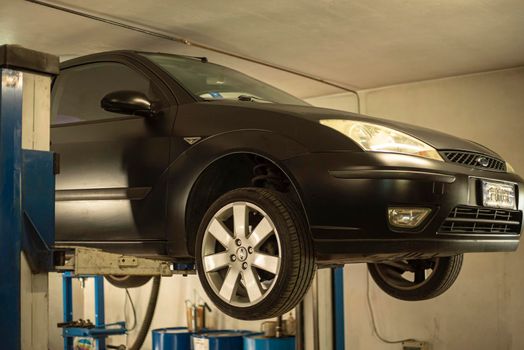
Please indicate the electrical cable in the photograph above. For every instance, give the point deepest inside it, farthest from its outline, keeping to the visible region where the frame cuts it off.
(373, 322)
(128, 296)
(148, 318)
(187, 42)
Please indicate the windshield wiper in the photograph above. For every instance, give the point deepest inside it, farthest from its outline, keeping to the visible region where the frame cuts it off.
(250, 98)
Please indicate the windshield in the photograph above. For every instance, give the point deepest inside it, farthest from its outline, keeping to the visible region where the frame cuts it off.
(213, 82)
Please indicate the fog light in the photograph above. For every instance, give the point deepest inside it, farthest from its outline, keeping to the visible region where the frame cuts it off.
(407, 217)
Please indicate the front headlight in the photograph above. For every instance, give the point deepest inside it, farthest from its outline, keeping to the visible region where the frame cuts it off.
(509, 168)
(378, 138)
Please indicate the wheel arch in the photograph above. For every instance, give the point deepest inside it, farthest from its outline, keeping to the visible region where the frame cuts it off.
(190, 197)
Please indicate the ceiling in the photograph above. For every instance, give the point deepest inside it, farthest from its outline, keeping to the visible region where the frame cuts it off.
(360, 44)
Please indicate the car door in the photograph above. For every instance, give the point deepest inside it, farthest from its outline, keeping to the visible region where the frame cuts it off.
(111, 186)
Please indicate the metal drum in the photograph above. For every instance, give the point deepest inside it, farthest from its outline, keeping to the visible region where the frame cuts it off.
(176, 338)
(219, 340)
(259, 342)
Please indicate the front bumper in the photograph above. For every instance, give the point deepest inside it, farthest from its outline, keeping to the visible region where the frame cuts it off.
(346, 196)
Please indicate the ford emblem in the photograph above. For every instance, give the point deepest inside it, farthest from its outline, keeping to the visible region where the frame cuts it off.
(483, 161)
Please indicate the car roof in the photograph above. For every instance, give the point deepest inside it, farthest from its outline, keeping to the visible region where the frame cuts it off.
(95, 57)
(115, 53)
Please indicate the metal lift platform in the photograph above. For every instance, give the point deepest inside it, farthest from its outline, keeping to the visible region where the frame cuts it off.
(83, 263)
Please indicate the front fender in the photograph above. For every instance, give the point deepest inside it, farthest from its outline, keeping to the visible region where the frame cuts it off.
(185, 170)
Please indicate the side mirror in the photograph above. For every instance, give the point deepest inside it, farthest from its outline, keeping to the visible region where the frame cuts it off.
(128, 102)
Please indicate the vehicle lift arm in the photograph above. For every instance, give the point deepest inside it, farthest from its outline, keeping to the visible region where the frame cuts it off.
(80, 262)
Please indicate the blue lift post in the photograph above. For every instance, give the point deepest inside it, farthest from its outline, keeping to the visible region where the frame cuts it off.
(100, 312)
(67, 302)
(101, 330)
(26, 200)
(338, 308)
(10, 216)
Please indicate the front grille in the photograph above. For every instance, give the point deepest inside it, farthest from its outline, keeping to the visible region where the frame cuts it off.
(475, 160)
(482, 220)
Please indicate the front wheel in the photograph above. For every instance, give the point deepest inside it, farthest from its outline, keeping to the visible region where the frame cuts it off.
(418, 279)
(254, 254)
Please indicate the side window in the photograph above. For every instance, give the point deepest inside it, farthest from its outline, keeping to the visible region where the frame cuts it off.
(77, 92)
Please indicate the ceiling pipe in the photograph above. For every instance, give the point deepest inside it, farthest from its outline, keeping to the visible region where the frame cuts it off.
(195, 44)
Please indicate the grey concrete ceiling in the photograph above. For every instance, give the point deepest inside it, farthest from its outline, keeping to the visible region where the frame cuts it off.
(363, 44)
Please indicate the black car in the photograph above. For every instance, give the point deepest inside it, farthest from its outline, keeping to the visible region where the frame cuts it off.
(175, 157)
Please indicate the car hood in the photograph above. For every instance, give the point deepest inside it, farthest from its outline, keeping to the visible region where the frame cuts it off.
(437, 139)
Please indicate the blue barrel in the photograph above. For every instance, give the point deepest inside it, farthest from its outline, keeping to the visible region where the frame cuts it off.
(176, 338)
(259, 342)
(219, 340)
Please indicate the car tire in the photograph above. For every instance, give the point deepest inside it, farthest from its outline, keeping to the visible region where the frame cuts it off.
(273, 263)
(128, 281)
(418, 285)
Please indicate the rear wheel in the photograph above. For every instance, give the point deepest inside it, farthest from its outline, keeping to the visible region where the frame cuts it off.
(127, 281)
(418, 279)
(254, 254)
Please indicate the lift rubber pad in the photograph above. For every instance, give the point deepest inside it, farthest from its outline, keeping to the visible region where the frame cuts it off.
(20, 58)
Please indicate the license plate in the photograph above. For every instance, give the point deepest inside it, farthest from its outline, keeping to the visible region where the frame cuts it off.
(498, 195)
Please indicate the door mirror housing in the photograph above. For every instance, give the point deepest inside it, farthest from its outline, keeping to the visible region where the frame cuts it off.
(128, 102)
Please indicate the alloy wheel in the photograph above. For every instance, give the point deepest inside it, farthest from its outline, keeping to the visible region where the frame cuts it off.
(241, 254)
(407, 274)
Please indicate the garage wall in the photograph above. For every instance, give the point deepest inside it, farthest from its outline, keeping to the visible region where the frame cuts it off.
(483, 310)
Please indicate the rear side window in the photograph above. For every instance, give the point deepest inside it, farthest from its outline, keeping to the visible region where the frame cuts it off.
(77, 92)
